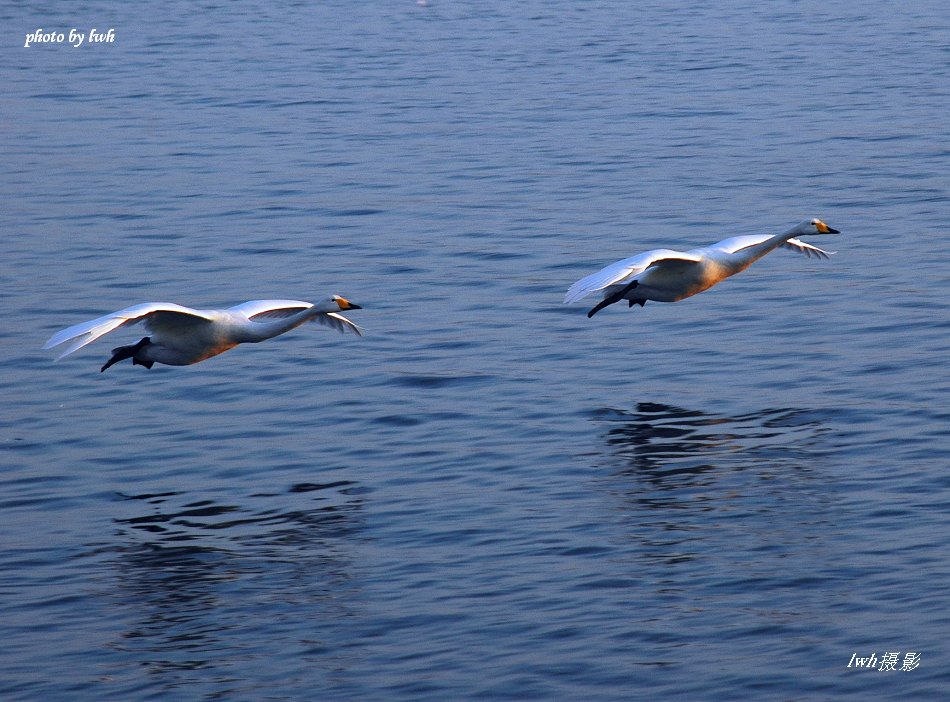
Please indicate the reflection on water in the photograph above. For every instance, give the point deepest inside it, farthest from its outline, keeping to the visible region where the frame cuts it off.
(195, 520)
(691, 483)
(194, 588)
(660, 441)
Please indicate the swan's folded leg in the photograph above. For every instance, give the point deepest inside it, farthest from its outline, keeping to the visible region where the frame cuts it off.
(121, 353)
(611, 299)
(602, 304)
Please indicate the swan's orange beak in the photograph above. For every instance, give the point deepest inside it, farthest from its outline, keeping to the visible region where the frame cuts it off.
(346, 304)
(824, 228)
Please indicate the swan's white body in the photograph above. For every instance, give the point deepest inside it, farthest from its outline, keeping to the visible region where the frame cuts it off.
(181, 336)
(665, 275)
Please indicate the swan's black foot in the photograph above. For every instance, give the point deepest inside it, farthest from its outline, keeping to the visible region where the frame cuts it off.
(637, 302)
(616, 297)
(602, 304)
(123, 352)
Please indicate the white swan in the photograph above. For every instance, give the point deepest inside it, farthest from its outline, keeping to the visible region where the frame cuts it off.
(181, 336)
(664, 275)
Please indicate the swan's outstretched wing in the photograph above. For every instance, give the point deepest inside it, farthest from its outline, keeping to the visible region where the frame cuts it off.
(154, 314)
(256, 310)
(624, 271)
(737, 243)
(807, 249)
(337, 321)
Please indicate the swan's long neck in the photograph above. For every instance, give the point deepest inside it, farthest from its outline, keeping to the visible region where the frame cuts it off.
(753, 253)
(779, 239)
(260, 331)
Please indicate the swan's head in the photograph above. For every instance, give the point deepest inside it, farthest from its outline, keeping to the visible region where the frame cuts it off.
(340, 304)
(814, 226)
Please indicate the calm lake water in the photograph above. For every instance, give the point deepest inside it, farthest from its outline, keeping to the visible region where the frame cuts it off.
(488, 496)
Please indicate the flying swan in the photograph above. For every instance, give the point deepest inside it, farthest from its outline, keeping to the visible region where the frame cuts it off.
(181, 336)
(664, 275)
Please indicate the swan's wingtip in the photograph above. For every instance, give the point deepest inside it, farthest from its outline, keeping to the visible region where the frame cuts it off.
(58, 338)
(574, 294)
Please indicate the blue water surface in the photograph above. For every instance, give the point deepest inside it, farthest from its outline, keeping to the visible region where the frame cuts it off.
(488, 495)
